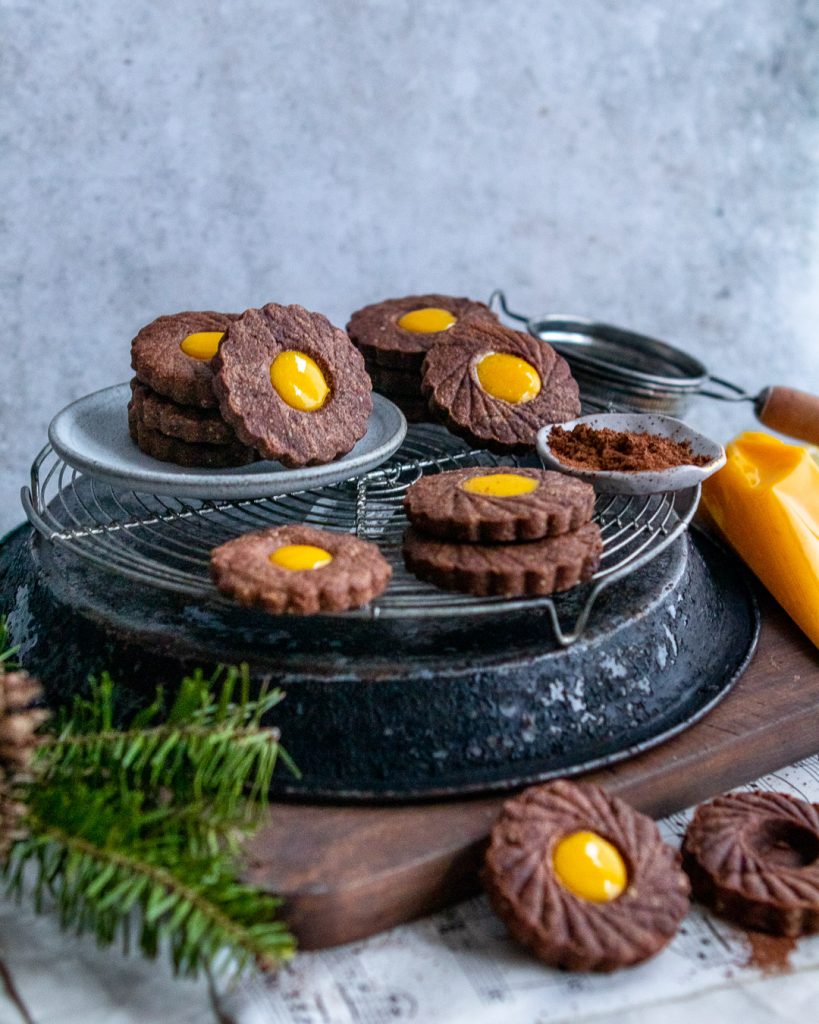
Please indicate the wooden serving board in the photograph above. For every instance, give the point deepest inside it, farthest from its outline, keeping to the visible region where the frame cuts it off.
(348, 872)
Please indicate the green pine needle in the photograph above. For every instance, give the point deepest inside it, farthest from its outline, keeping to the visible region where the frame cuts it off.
(138, 828)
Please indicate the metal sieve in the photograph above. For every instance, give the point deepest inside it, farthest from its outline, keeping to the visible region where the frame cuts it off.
(621, 369)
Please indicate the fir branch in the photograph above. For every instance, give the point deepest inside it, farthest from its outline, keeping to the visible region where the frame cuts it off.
(207, 748)
(139, 824)
(195, 902)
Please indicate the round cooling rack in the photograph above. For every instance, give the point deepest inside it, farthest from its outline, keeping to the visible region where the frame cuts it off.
(166, 542)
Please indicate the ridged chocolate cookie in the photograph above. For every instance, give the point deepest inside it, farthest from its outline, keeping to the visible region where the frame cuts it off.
(754, 858)
(465, 383)
(185, 422)
(159, 361)
(376, 331)
(321, 399)
(533, 568)
(349, 572)
(184, 453)
(543, 876)
(498, 504)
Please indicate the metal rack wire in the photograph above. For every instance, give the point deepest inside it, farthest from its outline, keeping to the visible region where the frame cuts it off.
(165, 542)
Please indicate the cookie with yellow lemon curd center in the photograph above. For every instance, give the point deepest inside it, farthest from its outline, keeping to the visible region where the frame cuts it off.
(582, 879)
(498, 504)
(172, 355)
(528, 569)
(497, 387)
(398, 332)
(292, 385)
(300, 570)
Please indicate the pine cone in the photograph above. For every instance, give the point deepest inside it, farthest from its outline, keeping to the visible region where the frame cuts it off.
(19, 722)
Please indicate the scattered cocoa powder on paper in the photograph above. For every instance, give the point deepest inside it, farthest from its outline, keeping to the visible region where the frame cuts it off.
(624, 451)
(770, 953)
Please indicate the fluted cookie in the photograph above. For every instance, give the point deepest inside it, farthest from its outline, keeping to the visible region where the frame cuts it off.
(497, 387)
(185, 453)
(185, 422)
(754, 858)
(172, 355)
(498, 504)
(396, 333)
(583, 880)
(530, 569)
(292, 385)
(300, 570)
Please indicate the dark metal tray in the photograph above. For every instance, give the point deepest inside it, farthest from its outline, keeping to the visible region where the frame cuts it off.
(396, 710)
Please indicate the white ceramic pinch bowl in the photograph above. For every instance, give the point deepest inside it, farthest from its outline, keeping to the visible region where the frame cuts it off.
(648, 481)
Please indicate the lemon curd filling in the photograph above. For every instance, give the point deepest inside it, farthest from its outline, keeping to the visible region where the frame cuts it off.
(298, 381)
(590, 867)
(202, 344)
(499, 485)
(508, 377)
(298, 557)
(429, 320)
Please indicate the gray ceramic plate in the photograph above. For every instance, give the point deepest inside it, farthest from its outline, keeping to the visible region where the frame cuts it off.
(92, 435)
(677, 478)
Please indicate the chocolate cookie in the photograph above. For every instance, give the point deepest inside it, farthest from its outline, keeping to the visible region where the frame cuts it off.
(398, 332)
(292, 385)
(183, 453)
(185, 422)
(583, 880)
(533, 568)
(404, 389)
(497, 387)
(395, 383)
(498, 504)
(754, 858)
(160, 361)
(300, 569)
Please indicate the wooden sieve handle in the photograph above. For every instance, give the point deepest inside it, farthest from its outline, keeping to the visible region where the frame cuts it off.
(791, 412)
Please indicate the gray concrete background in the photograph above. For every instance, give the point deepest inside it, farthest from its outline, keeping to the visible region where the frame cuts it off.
(649, 162)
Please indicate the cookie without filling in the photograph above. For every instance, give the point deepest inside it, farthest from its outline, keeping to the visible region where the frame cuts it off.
(529, 569)
(184, 453)
(498, 504)
(185, 422)
(497, 387)
(160, 361)
(582, 879)
(292, 385)
(299, 569)
(754, 858)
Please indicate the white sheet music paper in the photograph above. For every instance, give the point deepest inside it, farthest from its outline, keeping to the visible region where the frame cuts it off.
(459, 966)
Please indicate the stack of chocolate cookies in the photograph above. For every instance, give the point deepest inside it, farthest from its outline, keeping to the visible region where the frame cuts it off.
(221, 389)
(174, 414)
(449, 359)
(396, 334)
(501, 531)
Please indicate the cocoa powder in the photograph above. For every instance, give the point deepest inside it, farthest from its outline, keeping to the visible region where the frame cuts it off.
(624, 451)
(770, 953)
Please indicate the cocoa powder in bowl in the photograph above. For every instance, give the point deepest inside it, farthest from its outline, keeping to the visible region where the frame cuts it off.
(584, 447)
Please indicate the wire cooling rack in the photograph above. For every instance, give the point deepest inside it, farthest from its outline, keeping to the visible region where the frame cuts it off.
(166, 542)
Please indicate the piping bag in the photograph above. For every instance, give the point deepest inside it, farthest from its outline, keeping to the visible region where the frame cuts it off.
(765, 501)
